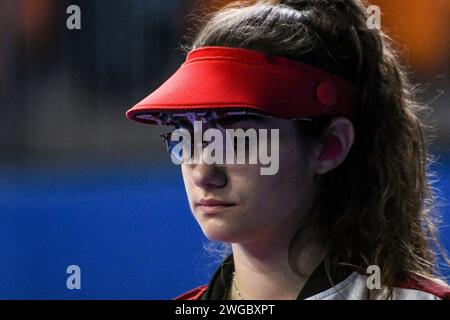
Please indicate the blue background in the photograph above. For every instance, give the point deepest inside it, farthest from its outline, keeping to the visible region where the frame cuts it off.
(130, 231)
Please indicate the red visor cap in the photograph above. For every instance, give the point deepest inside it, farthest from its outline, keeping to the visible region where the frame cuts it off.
(224, 78)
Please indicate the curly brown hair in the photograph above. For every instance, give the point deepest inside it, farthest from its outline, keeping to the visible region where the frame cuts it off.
(378, 207)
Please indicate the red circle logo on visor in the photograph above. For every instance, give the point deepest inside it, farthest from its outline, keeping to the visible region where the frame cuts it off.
(327, 93)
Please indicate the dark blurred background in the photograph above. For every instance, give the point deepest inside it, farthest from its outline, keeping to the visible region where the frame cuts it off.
(80, 184)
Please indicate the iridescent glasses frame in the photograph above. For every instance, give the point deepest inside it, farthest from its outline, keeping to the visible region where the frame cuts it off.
(213, 119)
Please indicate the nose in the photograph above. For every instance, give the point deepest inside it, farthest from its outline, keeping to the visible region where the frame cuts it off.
(208, 176)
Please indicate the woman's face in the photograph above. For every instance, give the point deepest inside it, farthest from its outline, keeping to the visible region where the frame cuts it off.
(259, 206)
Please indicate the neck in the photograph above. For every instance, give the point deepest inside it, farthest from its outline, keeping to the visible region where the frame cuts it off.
(263, 271)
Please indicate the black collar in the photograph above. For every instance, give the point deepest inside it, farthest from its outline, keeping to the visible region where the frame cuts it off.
(318, 282)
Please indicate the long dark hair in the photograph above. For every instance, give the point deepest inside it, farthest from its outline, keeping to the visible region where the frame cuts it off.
(378, 206)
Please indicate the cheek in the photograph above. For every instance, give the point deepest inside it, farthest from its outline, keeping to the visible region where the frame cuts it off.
(258, 194)
(295, 165)
(282, 195)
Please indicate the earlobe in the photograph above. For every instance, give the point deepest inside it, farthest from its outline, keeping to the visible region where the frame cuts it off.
(331, 149)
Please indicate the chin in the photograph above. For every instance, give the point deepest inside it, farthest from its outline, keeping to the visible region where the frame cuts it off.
(221, 233)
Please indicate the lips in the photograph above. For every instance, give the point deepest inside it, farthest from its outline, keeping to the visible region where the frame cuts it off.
(214, 202)
(211, 206)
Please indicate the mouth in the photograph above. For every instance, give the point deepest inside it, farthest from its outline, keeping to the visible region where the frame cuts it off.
(210, 206)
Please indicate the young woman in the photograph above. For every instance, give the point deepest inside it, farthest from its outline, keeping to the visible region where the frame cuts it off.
(348, 213)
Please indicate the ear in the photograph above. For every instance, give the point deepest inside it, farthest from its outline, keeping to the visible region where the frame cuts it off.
(335, 145)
